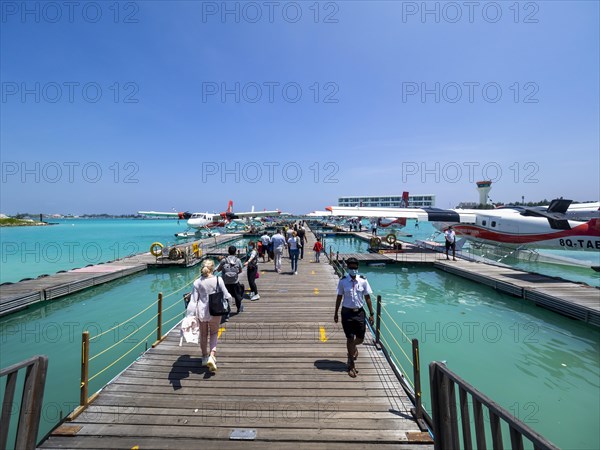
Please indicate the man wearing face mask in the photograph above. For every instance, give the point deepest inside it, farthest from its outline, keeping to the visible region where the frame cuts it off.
(354, 290)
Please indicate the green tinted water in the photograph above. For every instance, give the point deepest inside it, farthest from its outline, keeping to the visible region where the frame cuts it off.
(55, 330)
(542, 367)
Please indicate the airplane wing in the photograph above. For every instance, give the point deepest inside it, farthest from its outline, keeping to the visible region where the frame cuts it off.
(174, 214)
(319, 214)
(423, 214)
(242, 215)
(158, 213)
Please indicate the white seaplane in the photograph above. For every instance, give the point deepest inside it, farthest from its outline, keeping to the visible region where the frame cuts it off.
(206, 221)
(554, 227)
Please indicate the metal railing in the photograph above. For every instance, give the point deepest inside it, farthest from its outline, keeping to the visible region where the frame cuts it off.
(445, 411)
(31, 402)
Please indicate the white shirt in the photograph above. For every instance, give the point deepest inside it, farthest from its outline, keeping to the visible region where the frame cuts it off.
(293, 243)
(265, 239)
(450, 236)
(203, 287)
(354, 291)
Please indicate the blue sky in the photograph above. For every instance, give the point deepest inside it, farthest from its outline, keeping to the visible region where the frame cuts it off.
(160, 105)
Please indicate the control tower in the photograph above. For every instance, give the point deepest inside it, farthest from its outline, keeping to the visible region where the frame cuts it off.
(484, 188)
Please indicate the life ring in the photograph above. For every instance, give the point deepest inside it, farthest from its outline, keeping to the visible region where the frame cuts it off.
(156, 249)
(374, 242)
(391, 238)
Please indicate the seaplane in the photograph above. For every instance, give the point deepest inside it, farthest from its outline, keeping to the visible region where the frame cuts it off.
(207, 221)
(519, 227)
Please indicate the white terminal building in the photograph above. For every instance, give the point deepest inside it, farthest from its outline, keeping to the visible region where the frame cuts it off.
(388, 201)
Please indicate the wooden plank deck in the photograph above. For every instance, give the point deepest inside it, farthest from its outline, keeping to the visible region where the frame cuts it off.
(282, 373)
(567, 298)
(18, 296)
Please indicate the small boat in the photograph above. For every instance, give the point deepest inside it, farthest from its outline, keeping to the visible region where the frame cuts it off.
(187, 235)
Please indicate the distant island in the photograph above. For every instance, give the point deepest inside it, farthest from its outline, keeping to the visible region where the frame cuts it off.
(27, 220)
(12, 222)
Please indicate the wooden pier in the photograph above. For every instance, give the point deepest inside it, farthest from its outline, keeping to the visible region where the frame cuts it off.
(281, 384)
(18, 296)
(567, 298)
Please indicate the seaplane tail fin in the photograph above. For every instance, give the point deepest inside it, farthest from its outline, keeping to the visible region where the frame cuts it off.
(559, 205)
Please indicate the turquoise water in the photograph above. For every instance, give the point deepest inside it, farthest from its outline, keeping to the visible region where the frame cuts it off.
(73, 243)
(345, 244)
(540, 366)
(55, 330)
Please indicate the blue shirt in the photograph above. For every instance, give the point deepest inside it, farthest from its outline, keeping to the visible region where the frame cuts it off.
(353, 291)
(277, 240)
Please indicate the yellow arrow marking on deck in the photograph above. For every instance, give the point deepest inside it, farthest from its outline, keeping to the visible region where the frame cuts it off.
(323, 337)
(312, 272)
(221, 331)
(316, 291)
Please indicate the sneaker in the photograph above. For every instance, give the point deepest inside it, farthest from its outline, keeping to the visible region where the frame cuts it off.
(204, 360)
(295, 273)
(212, 363)
(255, 297)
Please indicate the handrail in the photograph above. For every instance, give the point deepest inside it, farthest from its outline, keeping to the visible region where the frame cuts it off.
(85, 349)
(31, 401)
(445, 412)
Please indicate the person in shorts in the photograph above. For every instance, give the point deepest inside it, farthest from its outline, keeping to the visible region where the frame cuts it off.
(352, 292)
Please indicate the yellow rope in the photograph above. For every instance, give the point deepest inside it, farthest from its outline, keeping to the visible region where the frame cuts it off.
(123, 356)
(403, 369)
(142, 311)
(397, 343)
(398, 326)
(130, 334)
(127, 321)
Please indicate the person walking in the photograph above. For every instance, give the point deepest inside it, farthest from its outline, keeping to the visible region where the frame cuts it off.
(303, 239)
(294, 246)
(278, 243)
(230, 268)
(205, 285)
(352, 293)
(252, 270)
(266, 243)
(450, 236)
(318, 248)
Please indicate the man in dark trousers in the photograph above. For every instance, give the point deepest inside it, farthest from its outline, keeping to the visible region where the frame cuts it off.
(303, 239)
(352, 292)
(230, 268)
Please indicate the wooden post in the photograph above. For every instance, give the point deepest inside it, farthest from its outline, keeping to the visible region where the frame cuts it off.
(378, 322)
(417, 380)
(85, 359)
(159, 318)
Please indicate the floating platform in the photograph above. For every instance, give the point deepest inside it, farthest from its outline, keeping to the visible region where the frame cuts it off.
(570, 299)
(18, 296)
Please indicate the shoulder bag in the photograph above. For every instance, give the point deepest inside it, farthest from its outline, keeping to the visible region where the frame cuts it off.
(218, 305)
